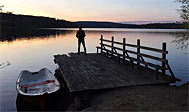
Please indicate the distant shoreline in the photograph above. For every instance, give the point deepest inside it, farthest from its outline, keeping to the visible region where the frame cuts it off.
(27, 21)
(112, 29)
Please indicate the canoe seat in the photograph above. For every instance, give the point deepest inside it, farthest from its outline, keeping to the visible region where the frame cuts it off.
(36, 84)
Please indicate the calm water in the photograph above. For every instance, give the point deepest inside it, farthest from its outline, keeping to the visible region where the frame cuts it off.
(36, 52)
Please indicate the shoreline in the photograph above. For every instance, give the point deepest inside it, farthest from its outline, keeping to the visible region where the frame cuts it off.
(135, 98)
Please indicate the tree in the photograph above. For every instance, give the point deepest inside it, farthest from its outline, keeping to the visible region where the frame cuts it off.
(1, 8)
(184, 11)
(182, 38)
(8, 12)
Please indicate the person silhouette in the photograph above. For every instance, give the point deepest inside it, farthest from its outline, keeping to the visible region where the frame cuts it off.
(81, 39)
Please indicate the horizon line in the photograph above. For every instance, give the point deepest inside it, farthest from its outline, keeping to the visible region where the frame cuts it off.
(168, 21)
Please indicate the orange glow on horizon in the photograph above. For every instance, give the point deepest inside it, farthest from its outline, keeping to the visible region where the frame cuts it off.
(84, 10)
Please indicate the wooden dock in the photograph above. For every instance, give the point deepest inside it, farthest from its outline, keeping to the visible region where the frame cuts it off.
(110, 69)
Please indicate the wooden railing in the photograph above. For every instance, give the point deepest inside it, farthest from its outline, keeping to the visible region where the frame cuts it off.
(123, 54)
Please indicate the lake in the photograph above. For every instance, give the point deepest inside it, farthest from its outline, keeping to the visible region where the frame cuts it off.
(33, 51)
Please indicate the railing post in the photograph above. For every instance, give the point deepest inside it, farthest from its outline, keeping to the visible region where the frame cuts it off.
(163, 57)
(101, 43)
(124, 48)
(138, 52)
(112, 46)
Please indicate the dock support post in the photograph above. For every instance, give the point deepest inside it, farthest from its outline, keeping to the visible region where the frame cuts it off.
(132, 65)
(112, 50)
(124, 42)
(163, 57)
(171, 72)
(101, 43)
(157, 74)
(118, 56)
(138, 52)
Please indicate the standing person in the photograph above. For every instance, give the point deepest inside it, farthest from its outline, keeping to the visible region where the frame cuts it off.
(81, 39)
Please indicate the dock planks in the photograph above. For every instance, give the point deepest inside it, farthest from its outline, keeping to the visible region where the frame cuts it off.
(96, 71)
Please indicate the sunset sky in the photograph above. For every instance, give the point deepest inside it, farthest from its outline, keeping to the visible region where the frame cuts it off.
(97, 10)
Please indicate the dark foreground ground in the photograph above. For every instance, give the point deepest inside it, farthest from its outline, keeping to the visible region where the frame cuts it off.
(135, 98)
(140, 98)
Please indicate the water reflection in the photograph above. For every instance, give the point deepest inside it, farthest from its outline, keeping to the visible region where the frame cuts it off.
(23, 105)
(32, 33)
(181, 40)
(4, 64)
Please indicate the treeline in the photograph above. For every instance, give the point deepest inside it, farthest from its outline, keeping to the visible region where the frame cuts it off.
(93, 24)
(163, 26)
(10, 24)
(27, 21)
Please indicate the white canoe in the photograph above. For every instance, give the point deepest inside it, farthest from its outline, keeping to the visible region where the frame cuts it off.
(37, 83)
